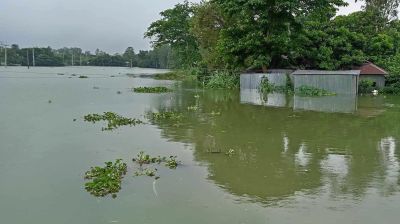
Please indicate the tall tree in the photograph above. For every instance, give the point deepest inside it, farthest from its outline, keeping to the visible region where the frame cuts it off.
(261, 31)
(173, 30)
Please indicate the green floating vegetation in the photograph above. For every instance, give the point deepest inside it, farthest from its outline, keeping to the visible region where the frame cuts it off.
(192, 108)
(171, 162)
(147, 172)
(157, 89)
(312, 91)
(230, 152)
(113, 120)
(166, 115)
(143, 158)
(106, 180)
(83, 77)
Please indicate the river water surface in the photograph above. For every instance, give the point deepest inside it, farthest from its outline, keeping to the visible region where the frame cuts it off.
(293, 160)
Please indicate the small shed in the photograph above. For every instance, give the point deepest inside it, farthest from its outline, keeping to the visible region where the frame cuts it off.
(275, 76)
(370, 71)
(339, 82)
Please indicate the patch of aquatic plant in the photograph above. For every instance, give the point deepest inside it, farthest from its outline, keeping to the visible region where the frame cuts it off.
(113, 120)
(213, 113)
(230, 152)
(105, 180)
(157, 89)
(166, 115)
(192, 108)
(147, 172)
(171, 162)
(83, 77)
(143, 158)
(312, 91)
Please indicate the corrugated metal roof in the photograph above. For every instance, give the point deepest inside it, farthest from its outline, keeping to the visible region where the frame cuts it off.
(372, 69)
(322, 72)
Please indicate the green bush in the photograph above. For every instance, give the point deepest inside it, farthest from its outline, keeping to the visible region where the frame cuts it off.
(312, 91)
(267, 87)
(392, 85)
(366, 86)
(223, 80)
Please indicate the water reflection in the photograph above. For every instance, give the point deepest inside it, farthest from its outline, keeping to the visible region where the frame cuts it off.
(279, 153)
(339, 103)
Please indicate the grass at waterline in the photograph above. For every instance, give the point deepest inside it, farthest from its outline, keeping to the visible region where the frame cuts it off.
(179, 75)
(157, 89)
(106, 180)
(113, 120)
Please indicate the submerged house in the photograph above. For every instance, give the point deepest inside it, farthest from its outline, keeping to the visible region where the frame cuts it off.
(370, 71)
(339, 82)
(275, 76)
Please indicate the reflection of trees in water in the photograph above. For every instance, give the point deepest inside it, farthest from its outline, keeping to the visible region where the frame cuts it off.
(278, 154)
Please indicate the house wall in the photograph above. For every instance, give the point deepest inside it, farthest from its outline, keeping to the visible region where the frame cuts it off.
(339, 84)
(253, 80)
(379, 79)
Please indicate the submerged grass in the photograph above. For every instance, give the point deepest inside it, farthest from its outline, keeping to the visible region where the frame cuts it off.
(106, 180)
(157, 89)
(113, 120)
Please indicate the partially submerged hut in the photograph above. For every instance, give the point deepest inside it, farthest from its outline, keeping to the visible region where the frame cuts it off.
(370, 71)
(339, 82)
(277, 77)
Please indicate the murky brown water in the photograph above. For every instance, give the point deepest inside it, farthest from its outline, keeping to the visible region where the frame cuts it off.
(290, 163)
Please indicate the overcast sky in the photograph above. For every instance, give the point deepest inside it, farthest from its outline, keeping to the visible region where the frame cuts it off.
(110, 25)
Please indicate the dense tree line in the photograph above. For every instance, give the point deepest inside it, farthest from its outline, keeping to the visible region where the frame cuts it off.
(160, 57)
(254, 34)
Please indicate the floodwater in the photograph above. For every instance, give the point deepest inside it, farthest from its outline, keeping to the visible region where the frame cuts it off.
(295, 160)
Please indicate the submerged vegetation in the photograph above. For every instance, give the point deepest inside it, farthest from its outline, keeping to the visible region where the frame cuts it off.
(166, 115)
(105, 180)
(312, 91)
(113, 120)
(158, 89)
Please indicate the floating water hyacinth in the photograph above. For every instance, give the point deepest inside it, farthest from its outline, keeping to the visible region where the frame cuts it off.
(105, 180)
(113, 120)
(157, 89)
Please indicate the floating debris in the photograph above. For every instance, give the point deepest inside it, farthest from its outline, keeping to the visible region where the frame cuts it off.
(83, 77)
(49, 101)
(119, 92)
(96, 87)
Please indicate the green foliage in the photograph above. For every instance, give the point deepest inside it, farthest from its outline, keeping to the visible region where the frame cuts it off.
(158, 89)
(267, 87)
(173, 30)
(175, 75)
(113, 120)
(105, 180)
(366, 86)
(83, 77)
(223, 80)
(392, 85)
(312, 91)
